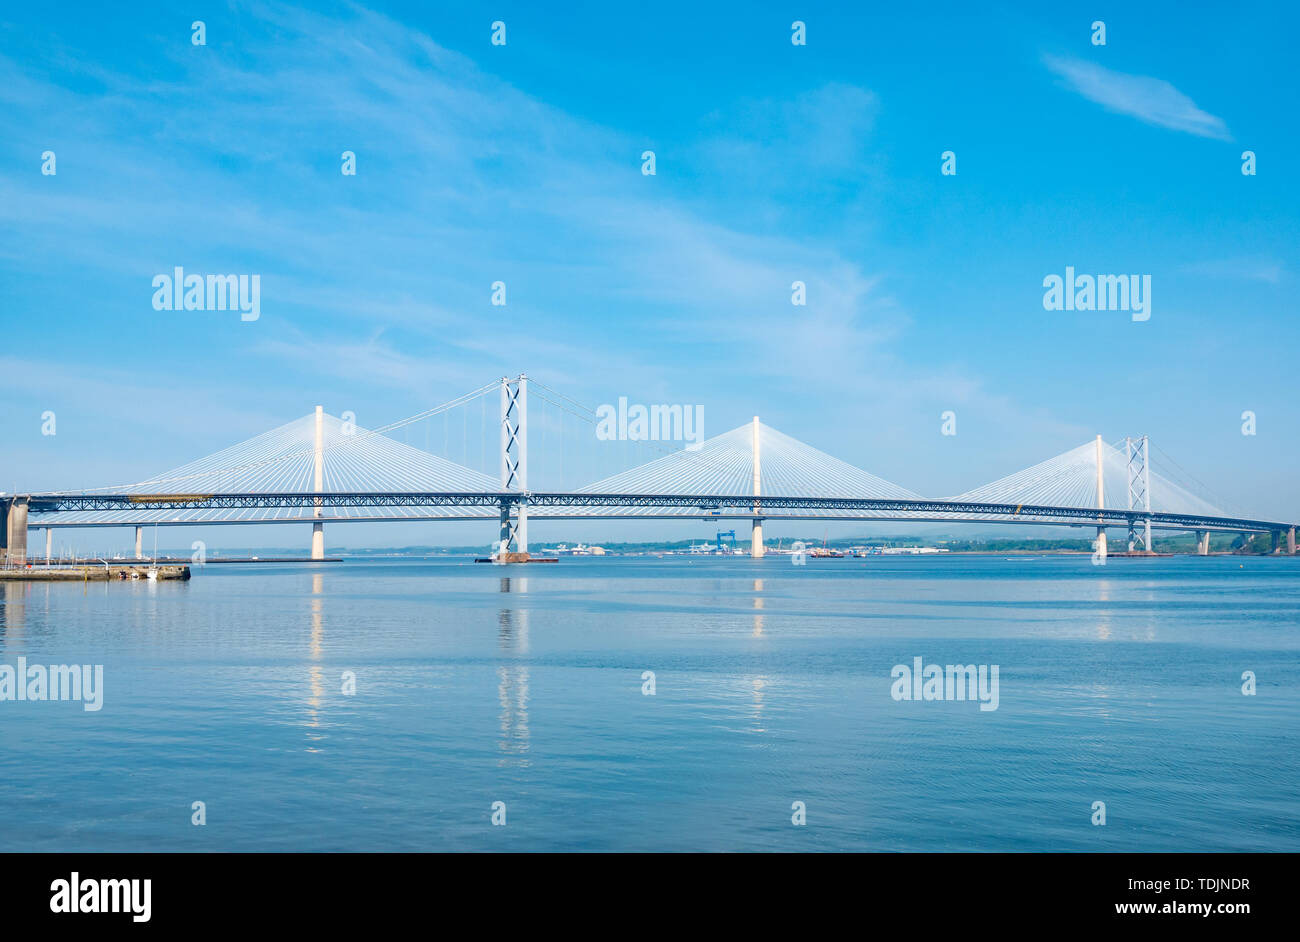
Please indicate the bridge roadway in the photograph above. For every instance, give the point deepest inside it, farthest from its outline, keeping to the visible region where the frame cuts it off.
(710, 505)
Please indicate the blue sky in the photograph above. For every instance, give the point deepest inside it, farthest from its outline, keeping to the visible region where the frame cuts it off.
(521, 163)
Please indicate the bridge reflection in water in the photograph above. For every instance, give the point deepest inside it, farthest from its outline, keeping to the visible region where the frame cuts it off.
(512, 679)
(315, 674)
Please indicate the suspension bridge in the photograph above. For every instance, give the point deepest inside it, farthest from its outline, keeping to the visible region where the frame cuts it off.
(323, 469)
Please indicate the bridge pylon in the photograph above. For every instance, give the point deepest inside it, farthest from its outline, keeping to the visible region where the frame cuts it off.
(756, 548)
(318, 528)
(1100, 554)
(1137, 453)
(514, 466)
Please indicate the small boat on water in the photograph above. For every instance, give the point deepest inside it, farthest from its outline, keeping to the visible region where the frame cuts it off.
(824, 551)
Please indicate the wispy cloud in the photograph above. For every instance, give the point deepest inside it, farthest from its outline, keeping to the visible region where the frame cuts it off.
(376, 288)
(1267, 270)
(1148, 99)
(466, 152)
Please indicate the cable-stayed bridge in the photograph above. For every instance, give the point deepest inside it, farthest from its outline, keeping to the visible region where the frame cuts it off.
(321, 469)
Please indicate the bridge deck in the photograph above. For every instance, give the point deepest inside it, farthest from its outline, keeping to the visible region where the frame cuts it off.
(128, 509)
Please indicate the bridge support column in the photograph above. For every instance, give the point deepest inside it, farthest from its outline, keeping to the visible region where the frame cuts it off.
(139, 542)
(512, 546)
(1202, 542)
(756, 548)
(49, 544)
(1099, 555)
(1277, 541)
(503, 540)
(1139, 534)
(514, 466)
(1137, 454)
(1290, 541)
(318, 475)
(14, 531)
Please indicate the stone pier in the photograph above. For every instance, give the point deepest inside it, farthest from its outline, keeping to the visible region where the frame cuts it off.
(14, 531)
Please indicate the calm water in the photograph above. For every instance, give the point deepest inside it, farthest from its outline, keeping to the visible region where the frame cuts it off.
(1119, 684)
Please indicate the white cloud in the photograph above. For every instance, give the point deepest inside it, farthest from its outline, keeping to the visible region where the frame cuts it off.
(1152, 100)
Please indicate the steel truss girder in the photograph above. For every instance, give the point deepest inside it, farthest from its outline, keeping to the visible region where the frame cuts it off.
(88, 502)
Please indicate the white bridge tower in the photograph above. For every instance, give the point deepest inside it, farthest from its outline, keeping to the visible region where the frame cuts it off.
(514, 466)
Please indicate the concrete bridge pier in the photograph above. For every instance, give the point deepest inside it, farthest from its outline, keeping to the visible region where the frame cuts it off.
(1290, 541)
(1101, 544)
(1276, 546)
(14, 531)
(521, 527)
(1202, 542)
(1139, 531)
(756, 548)
(512, 543)
(318, 541)
(504, 535)
(139, 542)
(49, 543)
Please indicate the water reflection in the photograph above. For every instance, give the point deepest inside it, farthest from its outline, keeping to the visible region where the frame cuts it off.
(512, 683)
(1103, 614)
(517, 584)
(14, 613)
(758, 684)
(315, 675)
